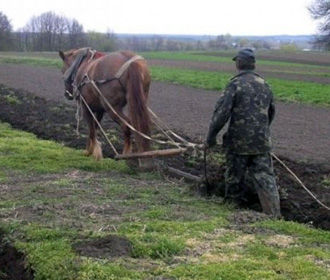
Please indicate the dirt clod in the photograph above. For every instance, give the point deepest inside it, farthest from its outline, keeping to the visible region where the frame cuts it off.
(12, 262)
(110, 246)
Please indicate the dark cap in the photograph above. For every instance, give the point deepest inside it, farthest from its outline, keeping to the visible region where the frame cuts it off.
(245, 54)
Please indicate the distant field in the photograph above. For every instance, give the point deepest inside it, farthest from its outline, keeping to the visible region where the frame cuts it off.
(305, 57)
(227, 58)
(290, 81)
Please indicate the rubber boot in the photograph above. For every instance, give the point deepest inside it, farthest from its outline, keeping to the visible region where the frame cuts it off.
(270, 203)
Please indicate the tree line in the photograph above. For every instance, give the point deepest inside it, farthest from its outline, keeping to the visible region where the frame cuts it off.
(52, 32)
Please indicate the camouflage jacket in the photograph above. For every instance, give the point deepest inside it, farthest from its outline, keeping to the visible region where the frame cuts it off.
(248, 102)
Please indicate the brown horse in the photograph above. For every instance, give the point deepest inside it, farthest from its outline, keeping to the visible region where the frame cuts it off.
(122, 78)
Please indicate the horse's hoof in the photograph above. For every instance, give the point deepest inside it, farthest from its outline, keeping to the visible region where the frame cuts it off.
(86, 153)
(98, 157)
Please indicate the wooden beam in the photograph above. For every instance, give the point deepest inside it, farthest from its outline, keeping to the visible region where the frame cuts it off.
(187, 176)
(152, 154)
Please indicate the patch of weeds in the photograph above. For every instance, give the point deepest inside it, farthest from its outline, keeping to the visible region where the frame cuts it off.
(217, 158)
(156, 246)
(11, 99)
(232, 270)
(51, 259)
(297, 268)
(62, 182)
(260, 251)
(103, 270)
(149, 176)
(113, 136)
(3, 176)
(305, 234)
(157, 213)
(326, 182)
(187, 229)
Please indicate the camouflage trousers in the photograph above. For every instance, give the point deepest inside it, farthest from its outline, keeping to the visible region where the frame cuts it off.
(259, 169)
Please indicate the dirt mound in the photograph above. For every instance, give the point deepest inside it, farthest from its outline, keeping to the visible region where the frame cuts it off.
(244, 217)
(110, 246)
(12, 262)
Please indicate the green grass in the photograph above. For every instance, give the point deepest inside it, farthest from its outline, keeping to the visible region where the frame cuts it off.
(23, 151)
(49, 202)
(34, 61)
(297, 91)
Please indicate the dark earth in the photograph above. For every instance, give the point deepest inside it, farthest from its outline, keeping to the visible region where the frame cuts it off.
(12, 262)
(105, 247)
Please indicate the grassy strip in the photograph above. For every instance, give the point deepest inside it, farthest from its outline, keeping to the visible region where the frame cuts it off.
(23, 151)
(174, 234)
(35, 61)
(297, 91)
(306, 92)
(221, 59)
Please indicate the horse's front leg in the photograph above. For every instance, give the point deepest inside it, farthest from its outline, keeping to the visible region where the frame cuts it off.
(93, 146)
(127, 139)
(126, 130)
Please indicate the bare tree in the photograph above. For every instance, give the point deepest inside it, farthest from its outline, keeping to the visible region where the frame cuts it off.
(5, 32)
(77, 38)
(51, 32)
(320, 10)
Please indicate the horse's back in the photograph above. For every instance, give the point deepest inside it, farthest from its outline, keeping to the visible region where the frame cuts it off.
(107, 66)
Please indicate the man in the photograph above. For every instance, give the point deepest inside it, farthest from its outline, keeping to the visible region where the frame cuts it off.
(248, 102)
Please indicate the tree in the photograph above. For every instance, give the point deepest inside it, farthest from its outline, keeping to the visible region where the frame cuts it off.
(320, 10)
(51, 32)
(77, 37)
(101, 41)
(5, 32)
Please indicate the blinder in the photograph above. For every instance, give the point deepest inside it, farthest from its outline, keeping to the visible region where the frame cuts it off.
(70, 74)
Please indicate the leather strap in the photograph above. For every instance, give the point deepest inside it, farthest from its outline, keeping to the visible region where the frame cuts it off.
(124, 67)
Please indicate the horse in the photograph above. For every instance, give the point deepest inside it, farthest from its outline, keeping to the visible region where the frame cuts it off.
(122, 78)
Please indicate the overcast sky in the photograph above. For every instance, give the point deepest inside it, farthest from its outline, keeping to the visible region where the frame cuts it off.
(203, 17)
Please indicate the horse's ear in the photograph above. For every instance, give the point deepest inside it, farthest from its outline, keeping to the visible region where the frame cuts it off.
(61, 54)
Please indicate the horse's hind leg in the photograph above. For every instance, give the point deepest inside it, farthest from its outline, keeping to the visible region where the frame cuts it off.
(93, 146)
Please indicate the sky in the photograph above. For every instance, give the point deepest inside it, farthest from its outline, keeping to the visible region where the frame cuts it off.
(200, 17)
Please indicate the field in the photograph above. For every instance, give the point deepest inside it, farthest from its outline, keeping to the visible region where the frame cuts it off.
(68, 217)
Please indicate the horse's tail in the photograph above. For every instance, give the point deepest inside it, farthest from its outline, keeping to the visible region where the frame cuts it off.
(137, 96)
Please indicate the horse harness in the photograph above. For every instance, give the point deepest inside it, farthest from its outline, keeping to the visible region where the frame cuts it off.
(70, 74)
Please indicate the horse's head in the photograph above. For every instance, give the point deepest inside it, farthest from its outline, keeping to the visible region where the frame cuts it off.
(72, 59)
